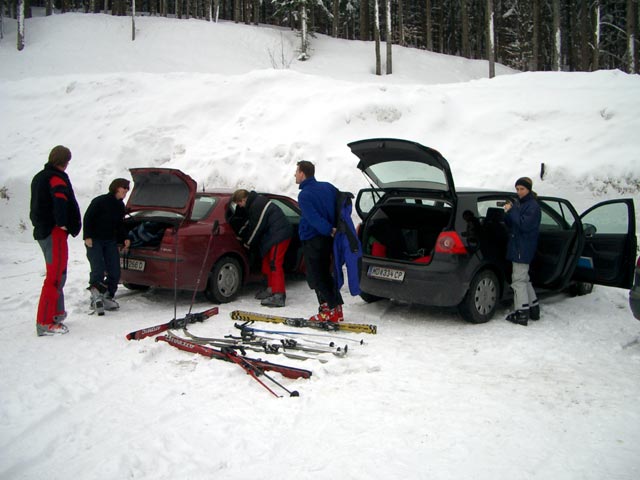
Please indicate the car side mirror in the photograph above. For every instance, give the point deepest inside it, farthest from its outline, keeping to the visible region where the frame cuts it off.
(589, 230)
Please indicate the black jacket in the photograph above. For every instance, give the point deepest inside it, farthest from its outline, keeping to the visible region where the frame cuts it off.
(265, 226)
(53, 203)
(103, 220)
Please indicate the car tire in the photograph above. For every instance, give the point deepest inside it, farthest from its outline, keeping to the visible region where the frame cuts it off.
(579, 289)
(136, 286)
(225, 281)
(367, 297)
(584, 288)
(481, 300)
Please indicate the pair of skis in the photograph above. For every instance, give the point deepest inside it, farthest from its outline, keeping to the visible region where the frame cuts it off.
(254, 367)
(303, 322)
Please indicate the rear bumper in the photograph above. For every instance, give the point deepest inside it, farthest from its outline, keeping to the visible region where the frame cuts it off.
(442, 283)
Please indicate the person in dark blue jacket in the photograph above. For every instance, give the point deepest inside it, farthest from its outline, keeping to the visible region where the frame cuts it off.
(103, 231)
(317, 201)
(267, 227)
(523, 220)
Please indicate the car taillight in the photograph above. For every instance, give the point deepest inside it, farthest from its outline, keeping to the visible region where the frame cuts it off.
(449, 242)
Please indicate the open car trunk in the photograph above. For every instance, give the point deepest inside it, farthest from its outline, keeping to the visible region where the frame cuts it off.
(406, 229)
(146, 231)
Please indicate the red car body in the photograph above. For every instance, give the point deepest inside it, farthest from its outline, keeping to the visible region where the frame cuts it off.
(184, 239)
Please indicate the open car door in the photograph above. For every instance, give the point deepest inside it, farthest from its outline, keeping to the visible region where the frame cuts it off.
(608, 255)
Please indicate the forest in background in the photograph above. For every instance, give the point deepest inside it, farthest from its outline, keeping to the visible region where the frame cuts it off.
(527, 35)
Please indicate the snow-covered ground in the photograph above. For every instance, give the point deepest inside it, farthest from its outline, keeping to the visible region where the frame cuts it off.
(429, 396)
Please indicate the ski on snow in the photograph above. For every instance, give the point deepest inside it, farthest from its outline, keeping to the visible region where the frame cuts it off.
(303, 322)
(254, 367)
(288, 347)
(173, 324)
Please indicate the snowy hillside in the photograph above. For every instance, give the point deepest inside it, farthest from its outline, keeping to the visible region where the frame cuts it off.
(429, 396)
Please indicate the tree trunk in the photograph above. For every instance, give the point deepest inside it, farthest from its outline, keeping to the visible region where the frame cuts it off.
(557, 38)
(585, 39)
(133, 20)
(48, 7)
(464, 19)
(376, 35)
(428, 27)
(20, 15)
(596, 37)
(389, 36)
(535, 41)
(401, 40)
(336, 18)
(304, 36)
(491, 40)
(365, 32)
(632, 53)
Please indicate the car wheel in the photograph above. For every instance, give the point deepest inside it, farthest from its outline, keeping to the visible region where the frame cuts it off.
(584, 288)
(135, 286)
(481, 300)
(225, 281)
(367, 297)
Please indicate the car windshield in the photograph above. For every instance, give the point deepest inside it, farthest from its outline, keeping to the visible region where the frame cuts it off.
(407, 174)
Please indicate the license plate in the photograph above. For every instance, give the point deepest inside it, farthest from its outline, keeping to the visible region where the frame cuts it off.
(132, 264)
(385, 273)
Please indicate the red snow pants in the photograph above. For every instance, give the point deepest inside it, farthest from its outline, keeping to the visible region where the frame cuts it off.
(272, 266)
(56, 254)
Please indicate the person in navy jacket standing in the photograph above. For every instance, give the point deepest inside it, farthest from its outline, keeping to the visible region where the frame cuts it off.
(317, 201)
(523, 220)
(55, 215)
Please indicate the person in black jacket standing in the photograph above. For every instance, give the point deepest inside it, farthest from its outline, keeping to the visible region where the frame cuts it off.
(55, 214)
(266, 226)
(103, 231)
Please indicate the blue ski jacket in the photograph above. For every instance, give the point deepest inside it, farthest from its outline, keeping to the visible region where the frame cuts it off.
(317, 201)
(347, 249)
(523, 220)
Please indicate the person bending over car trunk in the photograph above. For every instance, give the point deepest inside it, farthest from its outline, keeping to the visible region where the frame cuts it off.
(267, 227)
(523, 220)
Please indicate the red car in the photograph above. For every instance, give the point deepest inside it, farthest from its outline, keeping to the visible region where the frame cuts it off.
(185, 239)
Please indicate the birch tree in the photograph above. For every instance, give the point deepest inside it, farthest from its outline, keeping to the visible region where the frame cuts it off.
(632, 56)
(304, 35)
(20, 15)
(557, 39)
(376, 35)
(596, 35)
(388, 36)
(491, 40)
(133, 20)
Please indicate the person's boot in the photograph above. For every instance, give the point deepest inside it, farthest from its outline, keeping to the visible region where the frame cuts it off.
(97, 301)
(110, 303)
(521, 317)
(264, 293)
(332, 315)
(534, 312)
(275, 300)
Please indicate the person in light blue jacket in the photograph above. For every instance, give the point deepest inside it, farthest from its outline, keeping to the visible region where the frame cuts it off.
(523, 220)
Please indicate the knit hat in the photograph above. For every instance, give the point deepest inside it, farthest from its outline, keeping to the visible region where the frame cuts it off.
(526, 182)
